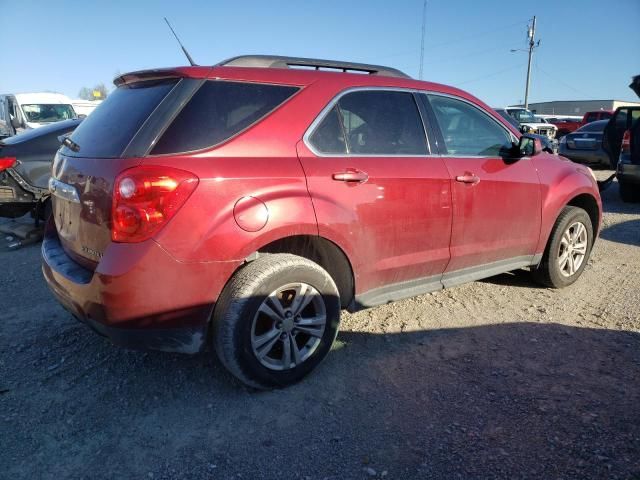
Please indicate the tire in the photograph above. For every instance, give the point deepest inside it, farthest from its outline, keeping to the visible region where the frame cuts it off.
(629, 193)
(247, 313)
(554, 272)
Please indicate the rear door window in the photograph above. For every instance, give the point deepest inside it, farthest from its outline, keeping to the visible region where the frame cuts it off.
(218, 111)
(111, 126)
(379, 122)
(467, 130)
(328, 137)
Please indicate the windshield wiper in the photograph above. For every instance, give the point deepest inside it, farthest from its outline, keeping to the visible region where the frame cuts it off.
(70, 144)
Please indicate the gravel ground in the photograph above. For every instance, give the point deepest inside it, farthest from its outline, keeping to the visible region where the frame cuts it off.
(495, 379)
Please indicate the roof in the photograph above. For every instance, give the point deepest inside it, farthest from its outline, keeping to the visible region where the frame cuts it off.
(42, 97)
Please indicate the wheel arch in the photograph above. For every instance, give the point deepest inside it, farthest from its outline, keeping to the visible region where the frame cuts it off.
(322, 251)
(589, 204)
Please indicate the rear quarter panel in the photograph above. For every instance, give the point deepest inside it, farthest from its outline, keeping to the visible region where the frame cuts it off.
(262, 163)
(560, 182)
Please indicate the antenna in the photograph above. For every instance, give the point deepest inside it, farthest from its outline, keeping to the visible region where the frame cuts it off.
(181, 46)
(424, 19)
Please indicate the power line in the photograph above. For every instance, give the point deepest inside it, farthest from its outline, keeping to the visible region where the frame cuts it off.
(444, 44)
(493, 74)
(570, 87)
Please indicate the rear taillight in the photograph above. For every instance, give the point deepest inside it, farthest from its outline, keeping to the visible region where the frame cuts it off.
(626, 143)
(7, 162)
(145, 199)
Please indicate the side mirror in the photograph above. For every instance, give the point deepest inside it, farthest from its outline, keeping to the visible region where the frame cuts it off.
(529, 146)
(15, 122)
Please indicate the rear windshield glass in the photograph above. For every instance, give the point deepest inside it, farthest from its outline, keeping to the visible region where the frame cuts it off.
(597, 126)
(111, 126)
(218, 111)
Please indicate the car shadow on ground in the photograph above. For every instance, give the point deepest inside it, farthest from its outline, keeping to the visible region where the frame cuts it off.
(626, 232)
(517, 400)
(518, 278)
(612, 203)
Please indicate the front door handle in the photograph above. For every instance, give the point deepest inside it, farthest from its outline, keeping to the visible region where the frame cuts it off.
(352, 176)
(468, 178)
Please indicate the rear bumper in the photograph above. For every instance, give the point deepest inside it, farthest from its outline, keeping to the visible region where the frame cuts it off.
(588, 157)
(139, 296)
(15, 200)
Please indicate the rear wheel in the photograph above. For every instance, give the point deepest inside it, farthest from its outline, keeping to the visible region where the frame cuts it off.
(568, 249)
(629, 192)
(276, 320)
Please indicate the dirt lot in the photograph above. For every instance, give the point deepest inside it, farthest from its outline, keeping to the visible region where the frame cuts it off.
(496, 379)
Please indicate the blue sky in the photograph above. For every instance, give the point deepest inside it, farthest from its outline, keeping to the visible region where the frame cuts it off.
(589, 48)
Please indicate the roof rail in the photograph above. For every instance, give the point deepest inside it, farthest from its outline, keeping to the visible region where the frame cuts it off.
(274, 61)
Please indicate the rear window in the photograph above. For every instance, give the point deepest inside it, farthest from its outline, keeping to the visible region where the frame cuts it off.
(218, 111)
(597, 126)
(111, 126)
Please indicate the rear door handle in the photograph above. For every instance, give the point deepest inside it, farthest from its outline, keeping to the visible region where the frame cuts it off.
(355, 176)
(468, 178)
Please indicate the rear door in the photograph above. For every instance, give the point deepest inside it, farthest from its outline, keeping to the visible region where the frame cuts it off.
(377, 190)
(496, 200)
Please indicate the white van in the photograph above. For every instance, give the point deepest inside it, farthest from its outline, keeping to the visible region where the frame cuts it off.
(23, 111)
(85, 107)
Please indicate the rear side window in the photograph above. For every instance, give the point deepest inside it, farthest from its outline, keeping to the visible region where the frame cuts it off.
(218, 111)
(111, 126)
(382, 123)
(467, 130)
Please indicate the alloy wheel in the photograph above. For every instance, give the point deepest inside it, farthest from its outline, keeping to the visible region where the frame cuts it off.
(288, 326)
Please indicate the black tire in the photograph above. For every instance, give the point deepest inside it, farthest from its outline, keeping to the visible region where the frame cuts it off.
(549, 272)
(239, 303)
(629, 193)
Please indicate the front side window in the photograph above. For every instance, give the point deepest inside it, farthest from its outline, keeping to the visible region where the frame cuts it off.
(47, 113)
(379, 122)
(218, 111)
(467, 130)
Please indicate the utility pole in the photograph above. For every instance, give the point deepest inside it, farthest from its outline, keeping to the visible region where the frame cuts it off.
(424, 20)
(531, 33)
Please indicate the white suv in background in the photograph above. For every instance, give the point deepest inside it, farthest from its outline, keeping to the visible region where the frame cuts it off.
(533, 125)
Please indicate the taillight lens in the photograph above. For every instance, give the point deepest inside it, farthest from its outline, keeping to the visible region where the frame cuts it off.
(626, 142)
(7, 162)
(145, 199)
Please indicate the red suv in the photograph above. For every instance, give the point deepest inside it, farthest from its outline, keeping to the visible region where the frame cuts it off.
(249, 202)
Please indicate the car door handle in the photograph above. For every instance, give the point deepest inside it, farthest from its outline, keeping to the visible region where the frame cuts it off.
(468, 178)
(351, 176)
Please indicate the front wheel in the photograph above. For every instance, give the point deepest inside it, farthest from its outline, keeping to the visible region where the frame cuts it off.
(568, 249)
(276, 320)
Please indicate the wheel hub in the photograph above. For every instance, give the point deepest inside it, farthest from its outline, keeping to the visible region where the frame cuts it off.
(288, 326)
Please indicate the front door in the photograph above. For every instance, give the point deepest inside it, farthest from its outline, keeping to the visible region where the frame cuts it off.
(496, 200)
(378, 193)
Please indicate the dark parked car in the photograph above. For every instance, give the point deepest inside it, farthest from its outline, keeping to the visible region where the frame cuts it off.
(585, 145)
(628, 171)
(249, 202)
(25, 168)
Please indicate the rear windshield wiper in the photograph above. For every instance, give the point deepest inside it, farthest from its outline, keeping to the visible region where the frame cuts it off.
(70, 144)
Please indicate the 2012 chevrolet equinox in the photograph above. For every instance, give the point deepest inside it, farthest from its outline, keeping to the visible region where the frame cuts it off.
(255, 199)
